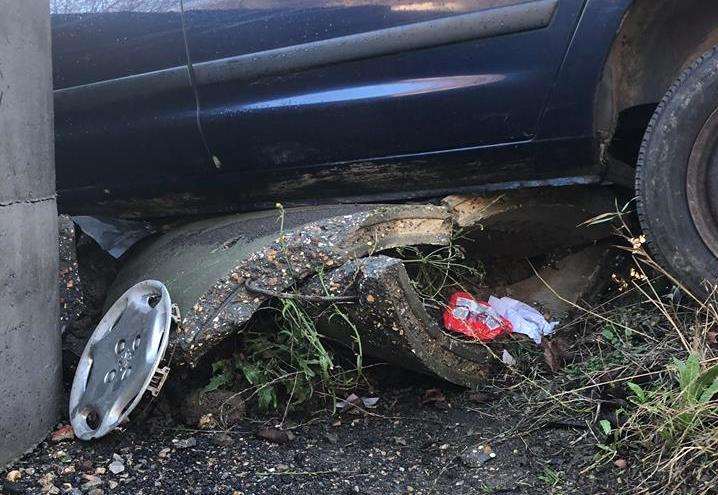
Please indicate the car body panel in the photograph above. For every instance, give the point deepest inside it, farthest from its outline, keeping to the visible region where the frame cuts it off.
(571, 110)
(473, 93)
(96, 40)
(473, 115)
(108, 143)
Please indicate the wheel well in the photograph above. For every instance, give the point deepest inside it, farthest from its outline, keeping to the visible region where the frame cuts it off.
(656, 41)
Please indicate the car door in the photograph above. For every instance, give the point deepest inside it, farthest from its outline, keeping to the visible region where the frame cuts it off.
(318, 99)
(123, 135)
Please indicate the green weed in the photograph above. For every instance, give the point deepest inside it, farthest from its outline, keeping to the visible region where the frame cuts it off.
(285, 364)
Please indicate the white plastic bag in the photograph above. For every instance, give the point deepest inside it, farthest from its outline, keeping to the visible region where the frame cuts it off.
(524, 318)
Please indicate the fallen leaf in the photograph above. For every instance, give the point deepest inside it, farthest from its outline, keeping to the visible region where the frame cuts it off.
(432, 396)
(275, 435)
(554, 352)
(207, 422)
(63, 433)
(480, 397)
(370, 401)
(356, 404)
(351, 400)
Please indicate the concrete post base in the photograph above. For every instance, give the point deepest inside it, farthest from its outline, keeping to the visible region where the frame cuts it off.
(30, 360)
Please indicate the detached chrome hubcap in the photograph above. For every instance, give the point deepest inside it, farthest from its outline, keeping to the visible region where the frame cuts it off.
(120, 359)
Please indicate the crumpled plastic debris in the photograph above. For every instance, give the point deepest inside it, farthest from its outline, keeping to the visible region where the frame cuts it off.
(354, 400)
(524, 319)
(114, 235)
(475, 319)
(486, 321)
(508, 359)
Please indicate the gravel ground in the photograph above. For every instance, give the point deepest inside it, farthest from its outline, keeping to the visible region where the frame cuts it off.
(461, 444)
(457, 442)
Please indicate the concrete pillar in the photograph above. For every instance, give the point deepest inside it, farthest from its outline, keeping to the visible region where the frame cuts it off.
(30, 369)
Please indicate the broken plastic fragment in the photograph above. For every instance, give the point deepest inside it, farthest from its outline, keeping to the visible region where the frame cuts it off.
(354, 400)
(114, 235)
(524, 319)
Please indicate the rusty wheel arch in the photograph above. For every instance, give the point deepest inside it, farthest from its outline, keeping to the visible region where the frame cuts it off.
(656, 41)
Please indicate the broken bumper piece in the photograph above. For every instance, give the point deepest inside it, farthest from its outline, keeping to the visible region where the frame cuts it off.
(214, 268)
(394, 325)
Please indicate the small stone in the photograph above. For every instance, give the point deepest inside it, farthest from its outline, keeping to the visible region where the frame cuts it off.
(96, 491)
(100, 471)
(165, 452)
(47, 479)
(91, 483)
(59, 454)
(185, 443)
(68, 470)
(113, 484)
(30, 471)
(116, 467)
(477, 456)
(13, 476)
(620, 463)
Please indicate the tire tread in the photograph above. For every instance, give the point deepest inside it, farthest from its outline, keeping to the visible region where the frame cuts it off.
(651, 244)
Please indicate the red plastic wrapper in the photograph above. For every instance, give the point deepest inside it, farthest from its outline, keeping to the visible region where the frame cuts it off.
(475, 319)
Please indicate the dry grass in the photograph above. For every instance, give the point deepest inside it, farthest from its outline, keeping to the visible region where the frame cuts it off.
(641, 379)
(641, 373)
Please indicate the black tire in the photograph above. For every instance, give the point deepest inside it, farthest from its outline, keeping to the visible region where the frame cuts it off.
(677, 177)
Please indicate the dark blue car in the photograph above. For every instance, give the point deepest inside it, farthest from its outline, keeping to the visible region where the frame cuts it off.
(167, 108)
